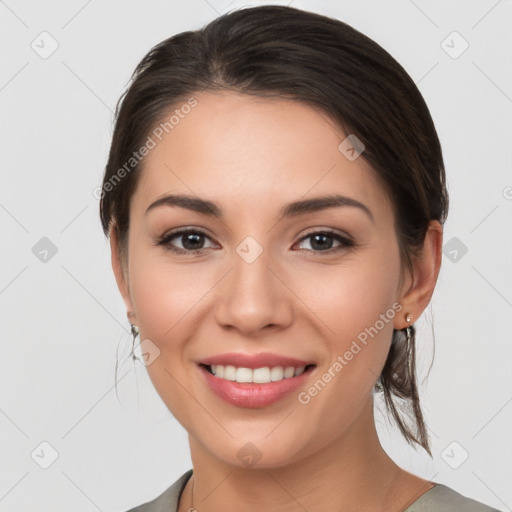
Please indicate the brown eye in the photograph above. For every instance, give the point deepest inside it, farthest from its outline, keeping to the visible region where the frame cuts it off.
(322, 241)
(192, 241)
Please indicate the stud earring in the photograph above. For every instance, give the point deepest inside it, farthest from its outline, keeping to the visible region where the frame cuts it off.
(408, 319)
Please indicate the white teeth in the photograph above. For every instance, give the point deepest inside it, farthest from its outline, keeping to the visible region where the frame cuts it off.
(229, 372)
(276, 373)
(243, 375)
(288, 372)
(299, 370)
(258, 375)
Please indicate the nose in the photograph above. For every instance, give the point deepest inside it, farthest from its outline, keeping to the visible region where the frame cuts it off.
(254, 296)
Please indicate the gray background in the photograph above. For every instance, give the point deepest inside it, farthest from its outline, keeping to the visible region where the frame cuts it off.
(63, 322)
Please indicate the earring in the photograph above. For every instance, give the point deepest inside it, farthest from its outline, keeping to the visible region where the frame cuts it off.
(135, 333)
(408, 319)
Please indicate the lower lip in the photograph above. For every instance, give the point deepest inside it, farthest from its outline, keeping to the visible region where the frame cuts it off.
(251, 395)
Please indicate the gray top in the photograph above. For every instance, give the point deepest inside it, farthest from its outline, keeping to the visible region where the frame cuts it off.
(438, 499)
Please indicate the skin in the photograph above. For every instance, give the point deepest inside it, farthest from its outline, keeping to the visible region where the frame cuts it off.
(252, 156)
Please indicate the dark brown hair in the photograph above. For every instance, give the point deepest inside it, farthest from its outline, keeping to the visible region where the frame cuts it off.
(283, 52)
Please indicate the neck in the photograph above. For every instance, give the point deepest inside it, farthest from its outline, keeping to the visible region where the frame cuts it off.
(353, 472)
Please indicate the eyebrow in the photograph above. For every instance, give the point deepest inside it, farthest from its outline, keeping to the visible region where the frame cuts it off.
(293, 209)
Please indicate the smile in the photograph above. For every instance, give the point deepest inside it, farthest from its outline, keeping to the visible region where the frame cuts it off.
(262, 375)
(254, 387)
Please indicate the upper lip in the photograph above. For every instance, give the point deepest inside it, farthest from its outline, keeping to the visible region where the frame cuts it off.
(253, 361)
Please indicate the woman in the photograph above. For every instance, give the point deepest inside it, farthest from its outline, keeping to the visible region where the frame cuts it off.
(274, 197)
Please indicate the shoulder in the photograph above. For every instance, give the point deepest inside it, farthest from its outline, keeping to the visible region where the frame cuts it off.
(168, 500)
(444, 499)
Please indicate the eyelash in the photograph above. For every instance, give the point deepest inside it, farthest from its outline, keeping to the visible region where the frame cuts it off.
(166, 239)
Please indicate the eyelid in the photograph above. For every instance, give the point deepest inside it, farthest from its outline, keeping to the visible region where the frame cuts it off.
(329, 231)
(184, 229)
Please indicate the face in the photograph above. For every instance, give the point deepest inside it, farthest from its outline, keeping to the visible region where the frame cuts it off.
(311, 284)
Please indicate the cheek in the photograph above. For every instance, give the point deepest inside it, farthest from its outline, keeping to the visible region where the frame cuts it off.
(164, 295)
(172, 301)
(167, 299)
(355, 310)
(356, 304)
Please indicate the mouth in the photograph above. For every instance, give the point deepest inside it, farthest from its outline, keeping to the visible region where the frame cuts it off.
(262, 375)
(254, 388)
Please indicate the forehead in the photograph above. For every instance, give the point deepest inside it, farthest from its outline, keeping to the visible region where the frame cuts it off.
(245, 150)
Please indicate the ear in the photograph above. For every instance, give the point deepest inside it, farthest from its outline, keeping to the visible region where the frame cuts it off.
(120, 268)
(426, 268)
